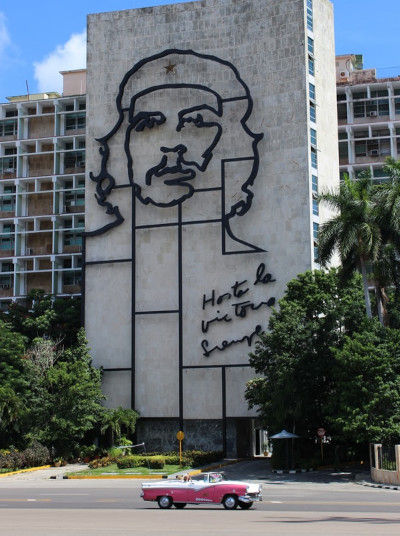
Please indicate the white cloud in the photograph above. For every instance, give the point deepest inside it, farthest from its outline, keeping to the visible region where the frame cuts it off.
(71, 55)
(4, 36)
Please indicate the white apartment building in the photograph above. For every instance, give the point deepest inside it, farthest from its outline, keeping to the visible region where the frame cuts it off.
(368, 116)
(42, 199)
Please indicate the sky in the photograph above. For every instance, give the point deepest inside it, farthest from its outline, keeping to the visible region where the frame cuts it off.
(38, 39)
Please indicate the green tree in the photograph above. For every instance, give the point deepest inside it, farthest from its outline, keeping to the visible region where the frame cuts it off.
(118, 421)
(368, 386)
(14, 383)
(354, 231)
(66, 396)
(295, 357)
(42, 315)
(387, 214)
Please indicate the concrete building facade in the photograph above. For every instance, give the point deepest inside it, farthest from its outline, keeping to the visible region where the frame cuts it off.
(42, 185)
(209, 133)
(369, 118)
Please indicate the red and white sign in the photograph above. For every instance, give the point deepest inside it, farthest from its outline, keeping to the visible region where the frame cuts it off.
(321, 432)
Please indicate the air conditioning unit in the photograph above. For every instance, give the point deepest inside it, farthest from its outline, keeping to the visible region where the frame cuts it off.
(342, 74)
(373, 114)
(374, 152)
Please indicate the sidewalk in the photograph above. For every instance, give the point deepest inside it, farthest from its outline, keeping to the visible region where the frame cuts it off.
(45, 474)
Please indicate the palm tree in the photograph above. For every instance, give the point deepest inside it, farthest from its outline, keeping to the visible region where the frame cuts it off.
(353, 231)
(387, 215)
(116, 420)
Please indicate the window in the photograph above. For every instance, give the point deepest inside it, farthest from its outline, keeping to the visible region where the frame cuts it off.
(310, 15)
(7, 202)
(69, 108)
(74, 199)
(8, 164)
(75, 121)
(314, 158)
(7, 243)
(314, 184)
(313, 114)
(72, 278)
(81, 183)
(7, 267)
(361, 134)
(341, 97)
(315, 230)
(311, 66)
(67, 263)
(316, 253)
(72, 239)
(8, 228)
(311, 45)
(74, 159)
(342, 135)
(80, 223)
(6, 281)
(313, 136)
(68, 145)
(8, 128)
(360, 148)
(81, 144)
(312, 91)
(380, 93)
(315, 207)
(342, 112)
(357, 95)
(82, 106)
(11, 113)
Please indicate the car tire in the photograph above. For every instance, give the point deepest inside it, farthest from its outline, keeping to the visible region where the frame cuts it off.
(179, 505)
(230, 502)
(164, 502)
(245, 505)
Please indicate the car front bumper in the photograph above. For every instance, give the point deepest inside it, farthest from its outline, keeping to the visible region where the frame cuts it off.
(250, 498)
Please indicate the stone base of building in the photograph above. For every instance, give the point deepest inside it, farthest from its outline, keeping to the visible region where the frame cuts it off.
(205, 434)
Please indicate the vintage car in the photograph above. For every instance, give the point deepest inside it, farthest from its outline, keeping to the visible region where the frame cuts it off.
(208, 488)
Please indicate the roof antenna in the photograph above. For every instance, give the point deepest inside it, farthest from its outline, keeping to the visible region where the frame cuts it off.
(27, 88)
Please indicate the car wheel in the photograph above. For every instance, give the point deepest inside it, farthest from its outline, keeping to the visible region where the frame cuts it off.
(164, 502)
(230, 502)
(179, 505)
(245, 505)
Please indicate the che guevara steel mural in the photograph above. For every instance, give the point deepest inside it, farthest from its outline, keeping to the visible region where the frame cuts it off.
(171, 133)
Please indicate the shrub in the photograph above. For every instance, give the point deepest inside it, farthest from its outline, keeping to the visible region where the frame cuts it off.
(36, 455)
(131, 461)
(88, 452)
(156, 462)
(173, 459)
(101, 462)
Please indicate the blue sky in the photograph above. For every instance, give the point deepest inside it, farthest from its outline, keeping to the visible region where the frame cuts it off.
(37, 39)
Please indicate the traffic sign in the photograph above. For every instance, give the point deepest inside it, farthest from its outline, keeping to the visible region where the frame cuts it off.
(180, 436)
(321, 432)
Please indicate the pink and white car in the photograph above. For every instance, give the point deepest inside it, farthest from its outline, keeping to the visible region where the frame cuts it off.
(208, 488)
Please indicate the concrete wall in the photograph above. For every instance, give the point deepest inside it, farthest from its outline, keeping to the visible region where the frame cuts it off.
(266, 42)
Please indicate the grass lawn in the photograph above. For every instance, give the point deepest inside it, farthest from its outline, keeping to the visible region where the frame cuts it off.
(113, 468)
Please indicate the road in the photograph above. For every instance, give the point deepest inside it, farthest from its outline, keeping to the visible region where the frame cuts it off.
(297, 505)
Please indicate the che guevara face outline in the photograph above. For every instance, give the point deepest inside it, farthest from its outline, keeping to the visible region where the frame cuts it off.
(168, 149)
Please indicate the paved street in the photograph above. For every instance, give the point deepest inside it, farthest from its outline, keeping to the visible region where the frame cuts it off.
(296, 504)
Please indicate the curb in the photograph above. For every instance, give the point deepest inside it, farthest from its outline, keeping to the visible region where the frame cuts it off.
(375, 485)
(29, 470)
(292, 471)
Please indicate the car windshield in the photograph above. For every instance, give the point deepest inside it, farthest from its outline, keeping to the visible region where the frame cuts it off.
(209, 477)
